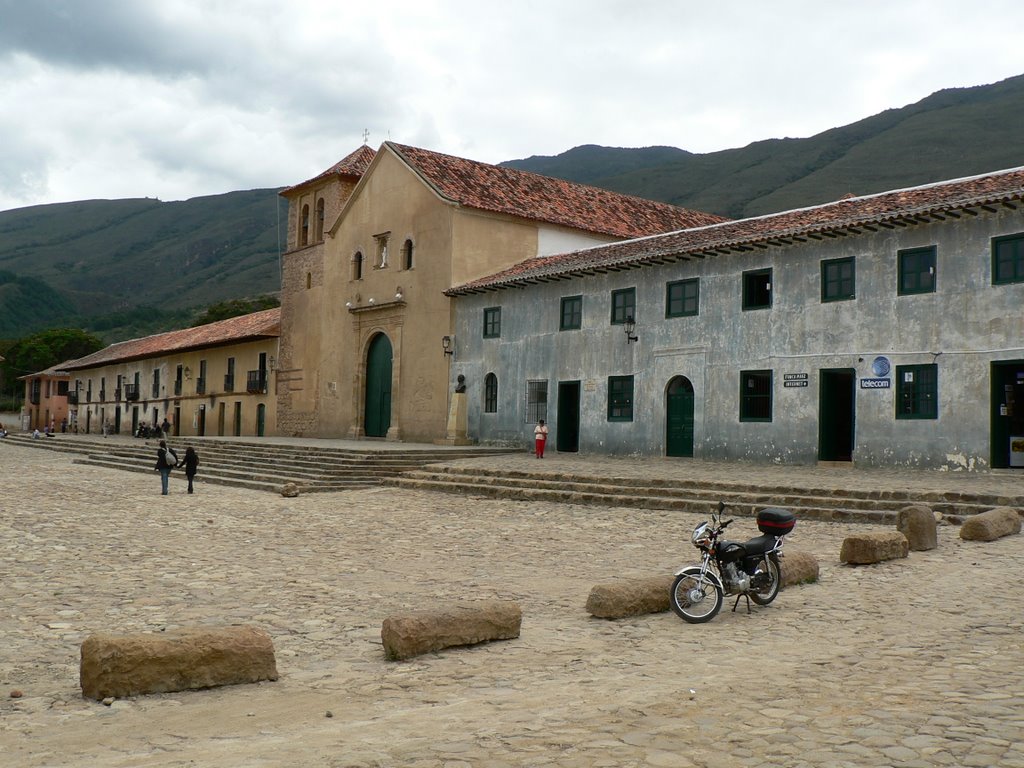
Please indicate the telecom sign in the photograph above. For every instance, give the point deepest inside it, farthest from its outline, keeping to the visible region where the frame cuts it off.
(880, 366)
(794, 380)
(875, 383)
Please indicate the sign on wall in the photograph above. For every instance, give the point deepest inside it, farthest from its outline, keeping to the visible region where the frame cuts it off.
(881, 367)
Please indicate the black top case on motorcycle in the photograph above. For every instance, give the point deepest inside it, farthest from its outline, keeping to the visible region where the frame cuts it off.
(775, 522)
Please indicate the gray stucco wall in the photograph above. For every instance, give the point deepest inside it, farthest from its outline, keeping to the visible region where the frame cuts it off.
(965, 325)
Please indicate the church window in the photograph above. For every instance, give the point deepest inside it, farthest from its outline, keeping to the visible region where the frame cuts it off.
(490, 393)
(620, 398)
(917, 391)
(757, 289)
(682, 298)
(536, 401)
(492, 322)
(407, 255)
(838, 280)
(357, 266)
(1008, 259)
(755, 395)
(623, 305)
(304, 233)
(320, 220)
(571, 315)
(916, 271)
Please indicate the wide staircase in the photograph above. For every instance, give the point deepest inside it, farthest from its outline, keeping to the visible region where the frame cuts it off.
(259, 465)
(698, 494)
(486, 473)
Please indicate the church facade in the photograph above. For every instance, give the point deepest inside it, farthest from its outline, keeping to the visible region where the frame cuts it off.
(885, 330)
(367, 340)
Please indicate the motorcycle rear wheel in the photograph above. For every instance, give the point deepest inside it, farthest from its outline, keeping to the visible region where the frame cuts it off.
(694, 601)
(770, 567)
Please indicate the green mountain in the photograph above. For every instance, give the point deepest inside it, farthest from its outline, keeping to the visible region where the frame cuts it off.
(950, 134)
(124, 268)
(131, 267)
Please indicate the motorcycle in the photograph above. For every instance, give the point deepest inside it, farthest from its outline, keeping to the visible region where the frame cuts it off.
(749, 570)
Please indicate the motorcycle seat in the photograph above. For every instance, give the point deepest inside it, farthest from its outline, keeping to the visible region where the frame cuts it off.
(760, 544)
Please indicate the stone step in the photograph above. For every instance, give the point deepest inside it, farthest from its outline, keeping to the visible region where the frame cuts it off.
(276, 450)
(262, 466)
(697, 503)
(898, 498)
(696, 496)
(326, 466)
(261, 482)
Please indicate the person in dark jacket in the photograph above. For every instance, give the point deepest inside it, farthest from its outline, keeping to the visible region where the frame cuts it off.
(191, 464)
(166, 460)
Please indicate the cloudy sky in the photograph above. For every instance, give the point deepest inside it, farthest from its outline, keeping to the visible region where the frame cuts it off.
(179, 98)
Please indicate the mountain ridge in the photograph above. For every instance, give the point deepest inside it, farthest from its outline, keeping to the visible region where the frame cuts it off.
(135, 266)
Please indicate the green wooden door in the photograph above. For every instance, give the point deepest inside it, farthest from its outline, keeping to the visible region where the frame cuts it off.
(377, 417)
(679, 418)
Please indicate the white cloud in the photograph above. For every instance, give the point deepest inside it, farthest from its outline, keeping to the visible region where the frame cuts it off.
(178, 98)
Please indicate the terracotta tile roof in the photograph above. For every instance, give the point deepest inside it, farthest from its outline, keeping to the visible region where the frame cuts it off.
(353, 164)
(234, 330)
(886, 210)
(540, 198)
(54, 371)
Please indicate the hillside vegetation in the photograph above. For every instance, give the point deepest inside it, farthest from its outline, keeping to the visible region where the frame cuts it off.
(131, 267)
(125, 268)
(950, 134)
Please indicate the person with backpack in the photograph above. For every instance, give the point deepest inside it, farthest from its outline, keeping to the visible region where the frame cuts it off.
(191, 464)
(166, 460)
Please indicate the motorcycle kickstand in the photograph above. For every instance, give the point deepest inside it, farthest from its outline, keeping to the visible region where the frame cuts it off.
(738, 602)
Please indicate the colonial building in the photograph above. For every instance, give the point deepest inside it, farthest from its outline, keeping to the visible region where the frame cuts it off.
(46, 400)
(880, 330)
(214, 379)
(374, 242)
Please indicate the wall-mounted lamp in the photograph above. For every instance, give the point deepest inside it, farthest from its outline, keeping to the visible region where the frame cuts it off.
(446, 344)
(398, 293)
(628, 325)
(370, 301)
(273, 363)
(187, 372)
(348, 305)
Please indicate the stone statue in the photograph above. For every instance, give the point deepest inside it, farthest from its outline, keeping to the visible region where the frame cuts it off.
(461, 385)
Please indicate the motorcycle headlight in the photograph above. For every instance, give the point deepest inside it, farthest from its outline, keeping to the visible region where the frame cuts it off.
(701, 535)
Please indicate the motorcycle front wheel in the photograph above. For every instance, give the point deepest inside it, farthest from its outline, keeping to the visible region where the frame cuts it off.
(769, 580)
(693, 600)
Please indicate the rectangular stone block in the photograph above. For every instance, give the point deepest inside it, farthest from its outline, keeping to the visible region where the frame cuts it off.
(413, 634)
(129, 665)
(798, 567)
(991, 525)
(630, 597)
(865, 548)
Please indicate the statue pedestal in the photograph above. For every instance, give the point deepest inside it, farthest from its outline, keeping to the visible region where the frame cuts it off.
(458, 419)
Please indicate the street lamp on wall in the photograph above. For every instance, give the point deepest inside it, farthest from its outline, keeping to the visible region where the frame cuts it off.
(628, 325)
(446, 345)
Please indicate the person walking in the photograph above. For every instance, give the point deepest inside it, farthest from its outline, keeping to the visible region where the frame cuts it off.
(166, 460)
(540, 438)
(190, 463)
